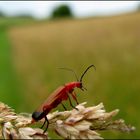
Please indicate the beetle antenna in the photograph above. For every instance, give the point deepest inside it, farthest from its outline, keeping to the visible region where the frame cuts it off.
(71, 71)
(86, 71)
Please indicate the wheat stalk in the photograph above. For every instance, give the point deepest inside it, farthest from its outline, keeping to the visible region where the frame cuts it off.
(74, 124)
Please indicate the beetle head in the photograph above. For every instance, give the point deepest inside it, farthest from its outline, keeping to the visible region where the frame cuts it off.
(80, 85)
(37, 116)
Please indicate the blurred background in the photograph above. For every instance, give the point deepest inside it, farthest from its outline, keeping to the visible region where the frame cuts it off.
(36, 38)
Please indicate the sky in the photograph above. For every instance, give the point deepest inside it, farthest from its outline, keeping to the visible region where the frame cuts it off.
(43, 9)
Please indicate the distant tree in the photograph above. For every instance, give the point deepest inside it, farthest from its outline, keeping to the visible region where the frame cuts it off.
(2, 14)
(138, 8)
(62, 11)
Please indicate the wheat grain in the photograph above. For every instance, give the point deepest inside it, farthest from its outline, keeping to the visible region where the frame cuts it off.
(74, 124)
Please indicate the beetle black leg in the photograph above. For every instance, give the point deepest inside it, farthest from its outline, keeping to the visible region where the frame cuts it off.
(72, 104)
(43, 124)
(74, 97)
(64, 106)
(46, 119)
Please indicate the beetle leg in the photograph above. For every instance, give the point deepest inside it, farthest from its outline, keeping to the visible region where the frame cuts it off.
(72, 104)
(63, 106)
(74, 97)
(43, 124)
(46, 119)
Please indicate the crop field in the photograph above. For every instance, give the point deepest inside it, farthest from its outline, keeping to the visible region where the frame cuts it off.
(112, 44)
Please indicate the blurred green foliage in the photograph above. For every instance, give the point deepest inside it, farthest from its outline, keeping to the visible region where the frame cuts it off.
(8, 84)
(9, 88)
(62, 11)
(138, 9)
(1, 14)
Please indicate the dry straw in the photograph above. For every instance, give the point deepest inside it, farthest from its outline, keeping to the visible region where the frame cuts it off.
(74, 124)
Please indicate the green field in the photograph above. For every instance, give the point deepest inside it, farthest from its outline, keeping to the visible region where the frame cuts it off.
(9, 90)
(32, 54)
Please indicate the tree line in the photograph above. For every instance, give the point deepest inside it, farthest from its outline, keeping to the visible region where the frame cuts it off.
(62, 11)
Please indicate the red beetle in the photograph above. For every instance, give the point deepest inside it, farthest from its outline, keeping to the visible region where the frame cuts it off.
(59, 95)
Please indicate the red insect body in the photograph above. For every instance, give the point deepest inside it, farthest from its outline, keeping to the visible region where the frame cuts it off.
(59, 95)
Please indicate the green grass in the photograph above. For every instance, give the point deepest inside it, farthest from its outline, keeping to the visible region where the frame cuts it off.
(8, 84)
(9, 87)
(111, 44)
